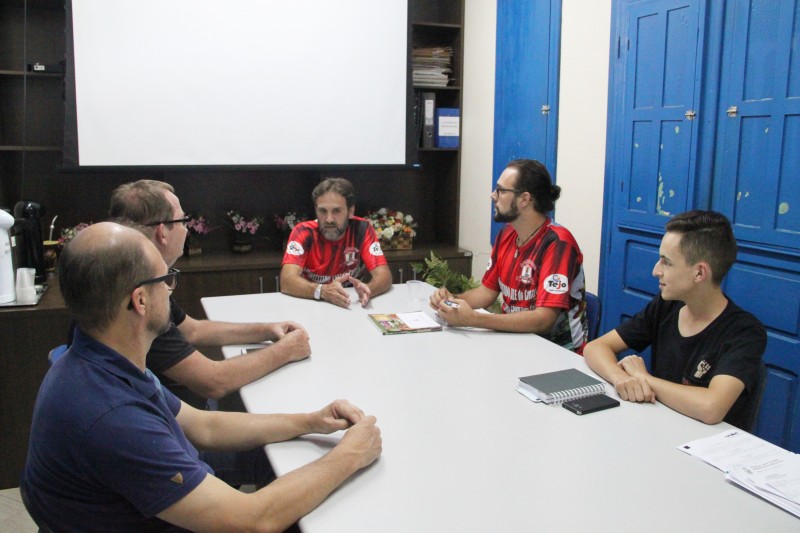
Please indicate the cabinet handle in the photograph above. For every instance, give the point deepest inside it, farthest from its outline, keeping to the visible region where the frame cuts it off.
(261, 284)
(400, 271)
(278, 283)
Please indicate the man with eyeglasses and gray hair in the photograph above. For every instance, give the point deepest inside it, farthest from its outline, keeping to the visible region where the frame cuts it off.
(113, 450)
(173, 356)
(535, 265)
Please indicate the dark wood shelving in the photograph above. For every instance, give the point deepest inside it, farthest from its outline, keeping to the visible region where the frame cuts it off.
(436, 25)
(28, 74)
(30, 148)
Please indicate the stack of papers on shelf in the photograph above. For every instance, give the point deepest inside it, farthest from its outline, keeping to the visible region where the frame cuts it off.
(392, 324)
(754, 464)
(432, 66)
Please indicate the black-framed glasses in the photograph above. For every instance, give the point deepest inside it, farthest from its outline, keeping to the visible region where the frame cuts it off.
(170, 278)
(185, 220)
(498, 189)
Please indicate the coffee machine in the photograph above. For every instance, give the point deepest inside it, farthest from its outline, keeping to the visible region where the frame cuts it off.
(28, 235)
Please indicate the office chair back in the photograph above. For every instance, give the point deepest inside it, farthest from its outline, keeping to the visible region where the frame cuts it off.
(593, 314)
(56, 352)
(751, 419)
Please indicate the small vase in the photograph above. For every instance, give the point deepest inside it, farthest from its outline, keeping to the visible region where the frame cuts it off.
(242, 245)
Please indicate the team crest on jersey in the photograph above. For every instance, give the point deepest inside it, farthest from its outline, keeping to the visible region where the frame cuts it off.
(375, 248)
(526, 271)
(294, 248)
(350, 256)
(556, 284)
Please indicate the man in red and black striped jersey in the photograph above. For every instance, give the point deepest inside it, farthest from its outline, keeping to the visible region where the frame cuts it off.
(324, 255)
(535, 264)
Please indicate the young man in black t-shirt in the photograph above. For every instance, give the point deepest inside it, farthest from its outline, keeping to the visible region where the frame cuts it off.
(706, 351)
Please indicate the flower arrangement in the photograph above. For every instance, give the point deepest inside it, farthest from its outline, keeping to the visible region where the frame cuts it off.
(394, 229)
(67, 234)
(199, 226)
(242, 225)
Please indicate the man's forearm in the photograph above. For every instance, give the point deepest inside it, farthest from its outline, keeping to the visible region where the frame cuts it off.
(299, 492)
(236, 372)
(232, 431)
(215, 333)
(381, 281)
(479, 297)
(298, 286)
(700, 403)
(522, 322)
(214, 506)
(603, 360)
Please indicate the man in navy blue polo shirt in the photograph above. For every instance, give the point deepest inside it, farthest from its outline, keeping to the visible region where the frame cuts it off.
(112, 450)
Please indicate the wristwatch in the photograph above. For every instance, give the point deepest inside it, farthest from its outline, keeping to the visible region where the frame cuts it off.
(318, 292)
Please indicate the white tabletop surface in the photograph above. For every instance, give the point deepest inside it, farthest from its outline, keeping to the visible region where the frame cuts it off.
(463, 451)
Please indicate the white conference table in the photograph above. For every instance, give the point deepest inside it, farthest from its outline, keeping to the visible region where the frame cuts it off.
(463, 451)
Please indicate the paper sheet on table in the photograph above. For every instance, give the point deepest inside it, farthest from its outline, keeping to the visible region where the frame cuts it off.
(764, 469)
(780, 476)
(754, 482)
(731, 448)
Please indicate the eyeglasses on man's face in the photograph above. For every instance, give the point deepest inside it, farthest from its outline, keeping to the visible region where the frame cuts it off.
(498, 190)
(185, 220)
(170, 278)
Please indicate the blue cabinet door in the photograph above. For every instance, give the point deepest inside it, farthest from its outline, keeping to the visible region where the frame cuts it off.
(655, 90)
(759, 151)
(526, 84)
(757, 184)
(659, 47)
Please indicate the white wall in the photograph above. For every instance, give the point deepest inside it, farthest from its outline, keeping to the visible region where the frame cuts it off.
(477, 131)
(585, 31)
(583, 102)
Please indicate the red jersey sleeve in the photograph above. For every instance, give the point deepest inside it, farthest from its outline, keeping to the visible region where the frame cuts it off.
(556, 275)
(371, 251)
(298, 245)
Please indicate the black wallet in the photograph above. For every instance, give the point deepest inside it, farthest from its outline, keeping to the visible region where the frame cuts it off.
(590, 404)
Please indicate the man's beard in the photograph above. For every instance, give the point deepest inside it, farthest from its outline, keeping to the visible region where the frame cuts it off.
(334, 233)
(510, 216)
(158, 326)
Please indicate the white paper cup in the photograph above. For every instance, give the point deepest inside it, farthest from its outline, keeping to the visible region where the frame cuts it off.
(25, 277)
(25, 288)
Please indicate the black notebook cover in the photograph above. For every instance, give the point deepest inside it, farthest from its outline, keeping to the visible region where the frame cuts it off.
(561, 385)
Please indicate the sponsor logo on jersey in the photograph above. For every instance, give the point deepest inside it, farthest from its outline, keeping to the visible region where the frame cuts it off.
(375, 248)
(350, 256)
(526, 271)
(556, 284)
(294, 248)
(518, 295)
(489, 264)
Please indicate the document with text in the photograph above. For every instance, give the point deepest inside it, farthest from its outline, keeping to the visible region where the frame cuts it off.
(764, 469)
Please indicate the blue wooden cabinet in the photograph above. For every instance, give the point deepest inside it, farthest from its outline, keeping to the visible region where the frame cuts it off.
(526, 85)
(705, 114)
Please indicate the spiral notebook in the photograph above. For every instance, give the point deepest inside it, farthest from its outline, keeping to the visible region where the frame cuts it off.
(559, 386)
